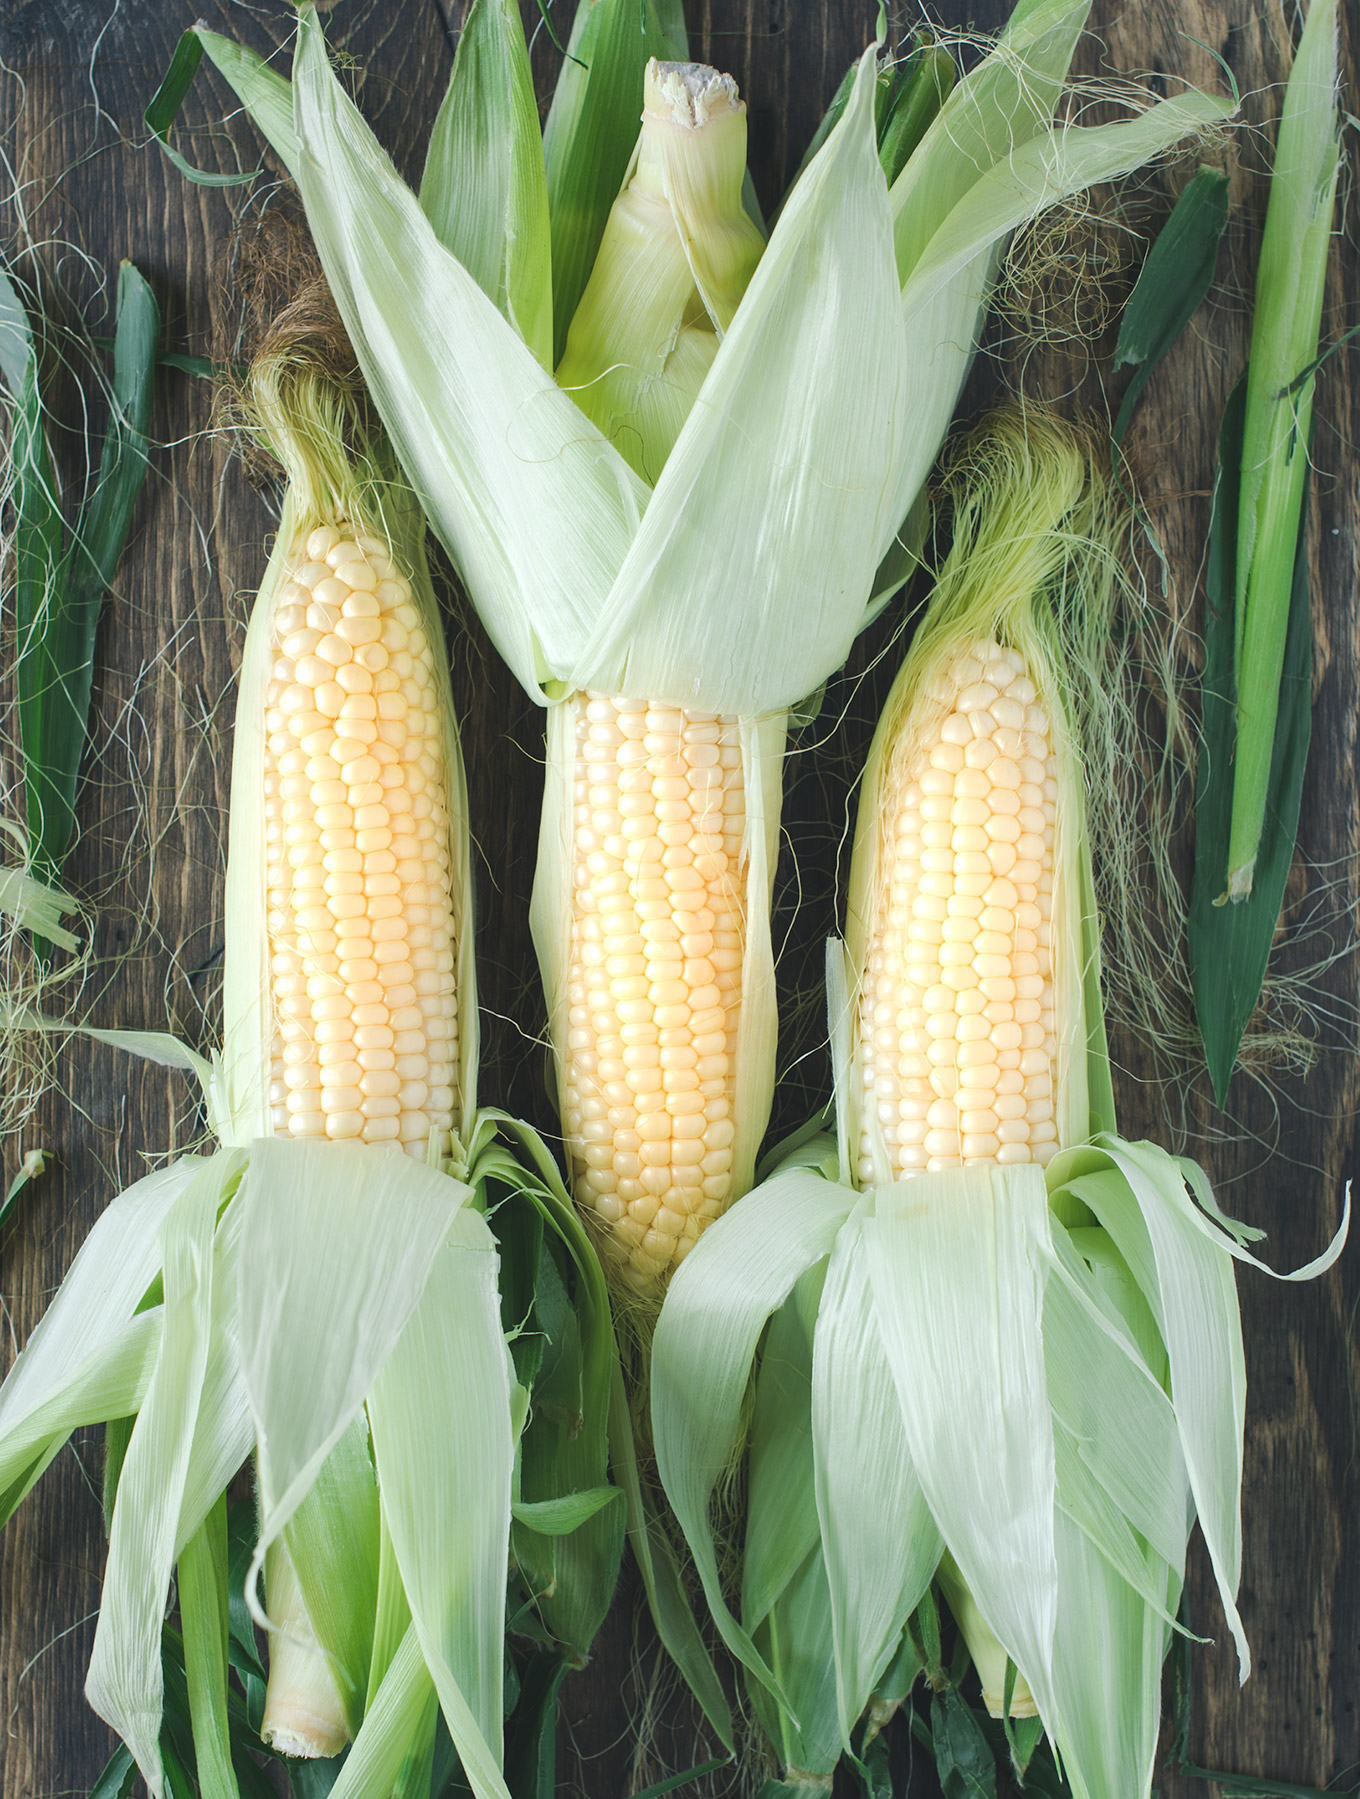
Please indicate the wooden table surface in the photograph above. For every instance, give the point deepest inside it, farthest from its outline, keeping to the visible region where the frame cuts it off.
(83, 190)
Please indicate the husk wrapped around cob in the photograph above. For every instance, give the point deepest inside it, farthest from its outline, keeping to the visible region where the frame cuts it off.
(1010, 1338)
(704, 544)
(310, 1293)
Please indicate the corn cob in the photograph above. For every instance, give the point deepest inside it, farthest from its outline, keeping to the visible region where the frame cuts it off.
(660, 865)
(658, 939)
(956, 1047)
(362, 929)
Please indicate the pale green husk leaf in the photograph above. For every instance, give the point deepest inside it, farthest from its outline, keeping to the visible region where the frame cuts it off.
(583, 578)
(124, 1680)
(390, 1722)
(335, 1527)
(95, 1304)
(945, 288)
(527, 496)
(782, 1527)
(37, 908)
(998, 106)
(740, 1271)
(878, 1536)
(786, 1597)
(441, 1414)
(484, 188)
(202, 1580)
(1107, 1669)
(957, 1262)
(772, 468)
(224, 1431)
(323, 1297)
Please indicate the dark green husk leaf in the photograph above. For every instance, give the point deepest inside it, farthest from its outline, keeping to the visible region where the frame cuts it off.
(924, 84)
(531, 1741)
(1229, 945)
(118, 1777)
(165, 103)
(673, 1782)
(963, 1757)
(59, 594)
(1174, 280)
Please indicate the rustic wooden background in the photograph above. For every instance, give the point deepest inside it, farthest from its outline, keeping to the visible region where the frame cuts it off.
(82, 189)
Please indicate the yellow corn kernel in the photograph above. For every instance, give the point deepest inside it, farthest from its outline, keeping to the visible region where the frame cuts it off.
(957, 1055)
(658, 935)
(362, 931)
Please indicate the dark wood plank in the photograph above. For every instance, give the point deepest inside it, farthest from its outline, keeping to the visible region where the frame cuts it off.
(154, 819)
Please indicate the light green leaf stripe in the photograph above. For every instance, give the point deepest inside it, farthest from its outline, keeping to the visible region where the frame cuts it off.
(203, 1616)
(1277, 427)
(322, 1298)
(440, 1412)
(376, 1755)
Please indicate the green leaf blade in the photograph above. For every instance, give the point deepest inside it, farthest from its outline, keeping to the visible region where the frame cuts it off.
(1229, 944)
(1276, 426)
(1173, 281)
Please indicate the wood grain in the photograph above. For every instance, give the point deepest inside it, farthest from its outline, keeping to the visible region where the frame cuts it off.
(74, 77)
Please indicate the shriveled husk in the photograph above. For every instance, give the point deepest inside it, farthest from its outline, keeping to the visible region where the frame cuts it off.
(1029, 1378)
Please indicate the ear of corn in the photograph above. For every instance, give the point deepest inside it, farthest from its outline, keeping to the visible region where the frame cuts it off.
(359, 858)
(965, 910)
(651, 919)
(245, 1300)
(997, 1311)
(349, 910)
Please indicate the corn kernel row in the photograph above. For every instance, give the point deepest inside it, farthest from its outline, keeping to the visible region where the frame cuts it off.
(957, 1055)
(360, 886)
(654, 992)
